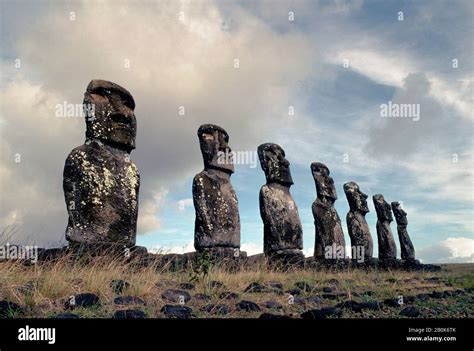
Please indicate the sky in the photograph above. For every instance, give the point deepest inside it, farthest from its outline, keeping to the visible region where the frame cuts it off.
(310, 76)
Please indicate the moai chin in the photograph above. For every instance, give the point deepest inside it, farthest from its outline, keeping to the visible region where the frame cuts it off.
(100, 182)
(387, 247)
(406, 246)
(217, 224)
(359, 231)
(329, 241)
(282, 230)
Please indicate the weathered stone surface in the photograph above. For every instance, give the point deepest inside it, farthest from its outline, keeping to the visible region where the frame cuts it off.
(294, 292)
(248, 306)
(271, 316)
(314, 299)
(187, 286)
(128, 300)
(437, 295)
(359, 231)
(100, 183)
(410, 311)
(228, 295)
(359, 306)
(407, 250)
(322, 313)
(387, 247)
(391, 302)
(273, 305)
(129, 314)
(177, 311)
(282, 229)
(176, 295)
(217, 221)
(329, 241)
(256, 287)
(82, 300)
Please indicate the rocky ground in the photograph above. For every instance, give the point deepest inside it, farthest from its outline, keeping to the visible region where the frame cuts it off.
(104, 289)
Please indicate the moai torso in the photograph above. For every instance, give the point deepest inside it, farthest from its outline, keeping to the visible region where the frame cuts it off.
(217, 224)
(328, 229)
(407, 250)
(101, 190)
(386, 243)
(359, 231)
(217, 214)
(282, 230)
(100, 182)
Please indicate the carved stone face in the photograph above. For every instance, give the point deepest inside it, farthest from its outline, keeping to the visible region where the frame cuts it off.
(215, 150)
(109, 114)
(356, 198)
(274, 164)
(384, 212)
(324, 183)
(400, 214)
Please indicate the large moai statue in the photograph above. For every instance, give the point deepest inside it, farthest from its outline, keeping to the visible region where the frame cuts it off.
(387, 247)
(100, 182)
(282, 230)
(217, 224)
(359, 231)
(329, 241)
(406, 246)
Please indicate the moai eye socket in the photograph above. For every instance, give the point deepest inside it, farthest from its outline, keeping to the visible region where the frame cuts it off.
(208, 136)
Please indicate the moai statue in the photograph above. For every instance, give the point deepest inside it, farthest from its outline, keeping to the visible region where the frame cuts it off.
(359, 231)
(329, 241)
(100, 182)
(282, 230)
(217, 224)
(406, 246)
(387, 247)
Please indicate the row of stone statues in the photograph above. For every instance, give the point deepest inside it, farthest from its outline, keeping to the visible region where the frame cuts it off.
(101, 187)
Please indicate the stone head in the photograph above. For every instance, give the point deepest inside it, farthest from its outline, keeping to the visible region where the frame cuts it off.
(215, 150)
(356, 198)
(399, 213)
(274, 164)
(384, 212)
(324, 183)
(110, 116)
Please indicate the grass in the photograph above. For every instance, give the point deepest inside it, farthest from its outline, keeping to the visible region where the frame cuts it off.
(43, 288)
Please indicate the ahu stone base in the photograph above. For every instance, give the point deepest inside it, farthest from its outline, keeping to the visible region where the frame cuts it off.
(228, 258)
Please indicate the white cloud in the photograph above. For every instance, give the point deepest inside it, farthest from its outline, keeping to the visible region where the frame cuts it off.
(149, 210)
(450, 250)
(251, 248)
(173, 63)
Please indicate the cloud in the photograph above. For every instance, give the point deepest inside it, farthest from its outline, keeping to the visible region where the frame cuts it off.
(183, 54)
(251, 248)
(172, 63)
(149, 210)
(450, 250)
